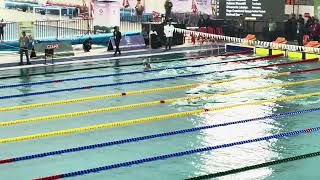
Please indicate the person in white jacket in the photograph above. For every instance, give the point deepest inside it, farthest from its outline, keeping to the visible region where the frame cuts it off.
(168, 31)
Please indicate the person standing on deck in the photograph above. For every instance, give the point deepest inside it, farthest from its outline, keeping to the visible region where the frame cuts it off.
(168, 8)
(117, 38)
(240, 26)
(23, 44)
(2, 25)
(300, 33)
(168, 31)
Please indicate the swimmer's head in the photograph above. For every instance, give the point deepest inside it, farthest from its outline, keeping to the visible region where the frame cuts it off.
(146, 61)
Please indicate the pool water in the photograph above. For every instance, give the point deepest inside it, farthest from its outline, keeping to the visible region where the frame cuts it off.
(174, 168)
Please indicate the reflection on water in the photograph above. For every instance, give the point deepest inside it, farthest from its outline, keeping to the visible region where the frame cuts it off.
(237, 156)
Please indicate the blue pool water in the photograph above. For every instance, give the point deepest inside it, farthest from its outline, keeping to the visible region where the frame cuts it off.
(174, 168)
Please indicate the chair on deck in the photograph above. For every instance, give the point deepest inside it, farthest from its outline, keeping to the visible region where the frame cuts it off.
(248, 39)
(280, 40)
(314, 44)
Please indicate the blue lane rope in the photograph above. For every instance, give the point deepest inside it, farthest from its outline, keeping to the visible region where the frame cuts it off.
(182, 153)
(149, 80)
(256, 166)
(141, 138)
(131, 73)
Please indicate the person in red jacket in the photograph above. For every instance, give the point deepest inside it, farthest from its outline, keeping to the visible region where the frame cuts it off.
(315, 30)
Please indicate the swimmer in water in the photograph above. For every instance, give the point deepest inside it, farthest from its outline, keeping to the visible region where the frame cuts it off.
(146, 64)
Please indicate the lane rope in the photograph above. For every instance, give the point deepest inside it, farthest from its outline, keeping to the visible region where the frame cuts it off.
(257, 166)
(143, 104)
(135, 72)
(152, 80)
(148, 119)
(105, 96)
(133, 64)
(153, 136)
(179, 154)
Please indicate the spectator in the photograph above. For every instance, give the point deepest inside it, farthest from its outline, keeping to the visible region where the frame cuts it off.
(117, 38)
(201, 22)
(291, 27)
(300, 20)
(271, 30)
(139, 8)
(206, 20)
(300, 33)
(168, 7)
(308, 25)
(145, 36)
(2, 25)
(155, 43)
(23, 44)
(240, 26)
(315, 30)
(168, 31)
(87, 45)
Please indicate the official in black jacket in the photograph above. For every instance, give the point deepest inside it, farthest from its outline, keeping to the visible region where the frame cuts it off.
(117, 38)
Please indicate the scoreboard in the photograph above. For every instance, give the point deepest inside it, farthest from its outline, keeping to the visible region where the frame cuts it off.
(259, 9)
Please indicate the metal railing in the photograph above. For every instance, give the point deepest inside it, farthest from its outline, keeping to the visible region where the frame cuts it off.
(67, 28)
(62, 29)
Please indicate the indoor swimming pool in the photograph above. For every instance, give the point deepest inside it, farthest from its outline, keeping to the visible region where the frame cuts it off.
(185, 117)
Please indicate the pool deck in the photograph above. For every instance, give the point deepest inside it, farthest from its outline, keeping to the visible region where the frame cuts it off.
(10, 60)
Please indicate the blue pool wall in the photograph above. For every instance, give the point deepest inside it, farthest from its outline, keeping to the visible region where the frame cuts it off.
(99, 39)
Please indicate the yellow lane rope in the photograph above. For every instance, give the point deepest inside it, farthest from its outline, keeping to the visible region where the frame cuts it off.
(152, 118)
(79, 113)
(105, 96)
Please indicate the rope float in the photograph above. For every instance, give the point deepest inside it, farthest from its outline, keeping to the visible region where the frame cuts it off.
(179, 154)
(152, 136)
(152, 118)
(129, 106)
(135, 64)
(257, 166)
(152, 80)
(134, 72)
(65, 101)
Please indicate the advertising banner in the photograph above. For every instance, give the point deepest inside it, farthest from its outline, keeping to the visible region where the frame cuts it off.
(204, 6)
(181, 6)
(130, 3)
(60, 48)
(130, 42)
(106, 13)
(154, 6)
(26, 26)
